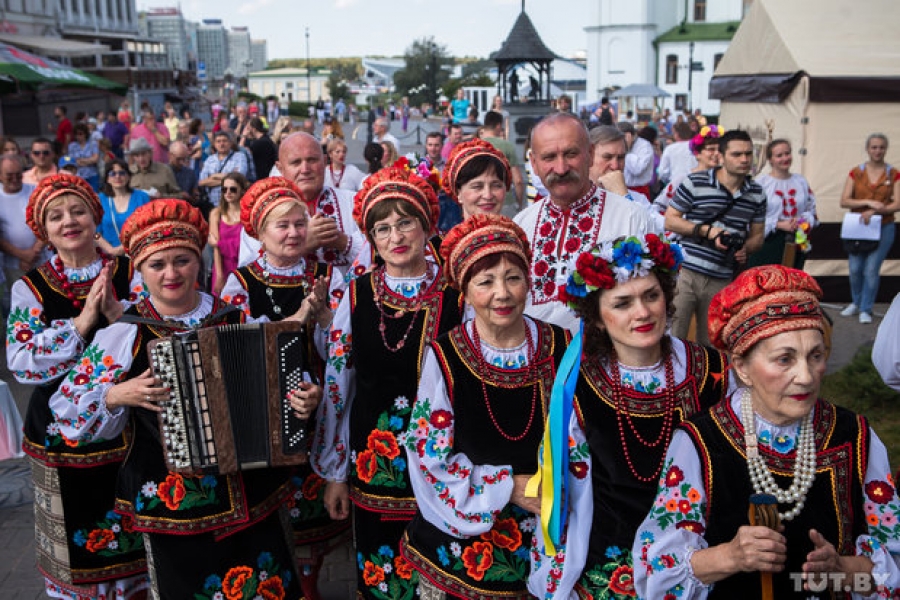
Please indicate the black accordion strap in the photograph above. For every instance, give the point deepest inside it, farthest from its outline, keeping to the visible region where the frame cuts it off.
(136, 320)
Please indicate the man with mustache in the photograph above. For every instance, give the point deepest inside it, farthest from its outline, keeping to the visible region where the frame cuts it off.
(576, 216)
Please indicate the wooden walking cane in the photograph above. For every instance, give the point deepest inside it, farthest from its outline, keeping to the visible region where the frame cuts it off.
(789, 255)
(763, 512)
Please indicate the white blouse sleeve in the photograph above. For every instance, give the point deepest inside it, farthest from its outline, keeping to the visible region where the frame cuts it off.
(137, 291)
(881, 544)
(774, 204)
(667, 539)
(336, 289)
(38, 351)
(455, 495)
(809, 212)
(234, 293)
(886, 351)
(79, 405)
(329, 454)
(554, 577)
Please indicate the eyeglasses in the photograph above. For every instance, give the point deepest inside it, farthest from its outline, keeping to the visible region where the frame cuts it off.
(233, 190)
(383, 232)
(41, 152)
(118, 173)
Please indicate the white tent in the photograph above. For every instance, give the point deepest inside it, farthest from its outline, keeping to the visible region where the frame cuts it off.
(824, 74)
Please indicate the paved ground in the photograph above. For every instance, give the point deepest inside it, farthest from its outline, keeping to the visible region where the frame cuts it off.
(19, 578)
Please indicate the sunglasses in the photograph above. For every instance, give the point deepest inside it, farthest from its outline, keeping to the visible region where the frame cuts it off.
(118, 173)
(41, 152)
(233, 190)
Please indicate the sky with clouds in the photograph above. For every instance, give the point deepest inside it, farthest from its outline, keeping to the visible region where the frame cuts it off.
(388, 27)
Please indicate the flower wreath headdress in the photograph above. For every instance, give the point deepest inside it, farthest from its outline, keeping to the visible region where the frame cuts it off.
(707, 132)
(617, 261)
(421, 166)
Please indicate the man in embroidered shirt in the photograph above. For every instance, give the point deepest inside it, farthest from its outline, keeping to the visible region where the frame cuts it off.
(575, 217)
(331, 233)
(706, 205)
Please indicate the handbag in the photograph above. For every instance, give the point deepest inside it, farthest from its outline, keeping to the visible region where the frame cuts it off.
(859, 246)
(860, 238)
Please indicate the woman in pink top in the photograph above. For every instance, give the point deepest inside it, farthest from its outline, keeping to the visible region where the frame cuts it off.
(225, 229)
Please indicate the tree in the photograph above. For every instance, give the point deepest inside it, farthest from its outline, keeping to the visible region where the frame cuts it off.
(337, 87)
(424, 73)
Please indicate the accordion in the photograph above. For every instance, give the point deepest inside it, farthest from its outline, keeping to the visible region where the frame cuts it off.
(228, 410)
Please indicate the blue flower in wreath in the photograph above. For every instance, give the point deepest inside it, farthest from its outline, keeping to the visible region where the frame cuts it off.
(627, 254)
(613, 552)
(399, 463)
(575, 289)
(783, 444)
(79, 538)
(443, 556)
(386, 551)
(213, 582)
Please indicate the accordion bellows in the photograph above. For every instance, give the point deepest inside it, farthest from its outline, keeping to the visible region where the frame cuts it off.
(228, 409)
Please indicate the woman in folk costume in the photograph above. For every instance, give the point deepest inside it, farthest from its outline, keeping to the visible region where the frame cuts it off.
(83, 551)
(205, 536)
(774, 492)
(634, 385)
(273, 288)
(477, 422)
(384, 322)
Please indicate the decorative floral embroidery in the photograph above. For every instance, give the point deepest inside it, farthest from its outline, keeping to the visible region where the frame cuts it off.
(388, 575)
(23, 324)
(612, 579)
(678, 504)
(308, 501)
(500, 554)
(430, 432)
(95, 368)
(781, 443)
(177, 492)
(238, 300)
(111, 536)
(339, 350)
(267, 581)
(558, 236)
(659, 563)
(881, 511)
(381, 463)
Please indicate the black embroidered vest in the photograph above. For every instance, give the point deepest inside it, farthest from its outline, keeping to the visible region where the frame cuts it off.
(834, 503)
(46, 285)
(383, 375)
(621, 501)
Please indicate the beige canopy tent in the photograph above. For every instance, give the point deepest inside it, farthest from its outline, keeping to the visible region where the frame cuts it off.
(824, 74)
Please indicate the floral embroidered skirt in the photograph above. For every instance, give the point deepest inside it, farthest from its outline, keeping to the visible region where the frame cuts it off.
(80, 541)
(256, 562)
(381, 573)
(612, 578)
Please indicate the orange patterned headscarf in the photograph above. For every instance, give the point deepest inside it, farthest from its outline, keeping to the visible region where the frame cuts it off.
(762, 302)
(479, 236)
(52, 187)
(161, 225)
(396, 183)
(262, 197)
(462, 154)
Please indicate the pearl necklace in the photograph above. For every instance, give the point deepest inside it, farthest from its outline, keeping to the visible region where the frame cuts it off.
(804, 461)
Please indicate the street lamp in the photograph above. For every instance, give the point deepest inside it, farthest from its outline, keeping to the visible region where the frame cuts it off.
(308, 84)
(690, 76)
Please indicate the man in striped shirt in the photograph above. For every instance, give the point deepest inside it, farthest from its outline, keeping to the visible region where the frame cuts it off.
(712, 211)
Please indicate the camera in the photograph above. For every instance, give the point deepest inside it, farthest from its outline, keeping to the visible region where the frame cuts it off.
(733, 241)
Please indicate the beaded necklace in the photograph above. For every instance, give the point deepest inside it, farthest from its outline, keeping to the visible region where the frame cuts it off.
(804, 461)
(378, 280)
(269, 292)
(532, 373)
(622, 417)
(75, 277)
(337, 180)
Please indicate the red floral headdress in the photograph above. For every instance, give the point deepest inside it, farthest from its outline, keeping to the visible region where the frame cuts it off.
(396, 183)
(477, 237)
(762, 302)
(52, 187)
(161, 225)
(264, 195)
(462, 154)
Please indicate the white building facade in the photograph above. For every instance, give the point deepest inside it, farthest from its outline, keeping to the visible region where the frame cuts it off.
(636, 41)
(259, 55)
(212, 48)
(239, 61)
(290, 85)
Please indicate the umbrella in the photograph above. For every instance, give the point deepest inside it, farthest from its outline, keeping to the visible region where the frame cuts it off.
(640, 90)
(34, 72)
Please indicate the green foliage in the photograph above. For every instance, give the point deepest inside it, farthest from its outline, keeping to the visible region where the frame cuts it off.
(858, 386)
(298, 109)
(425, 71)
(337, 87)
(347, 69)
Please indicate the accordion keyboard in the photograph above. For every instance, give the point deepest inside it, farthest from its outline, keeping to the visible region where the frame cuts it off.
(174, 420)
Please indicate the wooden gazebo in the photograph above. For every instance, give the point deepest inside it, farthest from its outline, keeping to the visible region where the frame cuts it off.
(523, 45)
